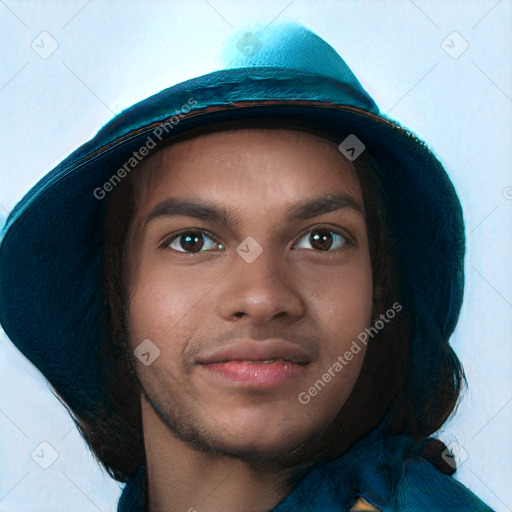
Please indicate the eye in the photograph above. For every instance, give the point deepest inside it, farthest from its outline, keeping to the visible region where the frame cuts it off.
(192, 241)
(322, 239)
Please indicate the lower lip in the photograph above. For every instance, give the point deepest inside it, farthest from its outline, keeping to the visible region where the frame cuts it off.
(257, 374)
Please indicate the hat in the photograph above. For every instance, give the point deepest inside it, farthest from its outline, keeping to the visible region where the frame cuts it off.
(51, 246)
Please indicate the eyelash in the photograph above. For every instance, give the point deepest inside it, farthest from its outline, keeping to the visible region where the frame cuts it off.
(347, 240)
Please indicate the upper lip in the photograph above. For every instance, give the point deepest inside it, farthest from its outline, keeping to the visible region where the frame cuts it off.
(250, 350)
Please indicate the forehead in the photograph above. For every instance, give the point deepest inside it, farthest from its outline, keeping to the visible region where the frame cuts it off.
(269, 166)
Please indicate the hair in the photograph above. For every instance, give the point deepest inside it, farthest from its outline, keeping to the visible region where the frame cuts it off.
(391, 393)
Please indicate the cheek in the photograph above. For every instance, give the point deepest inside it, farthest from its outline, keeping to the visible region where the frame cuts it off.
(352, 298)
(342, 298)
(342, 306)
(162, 303)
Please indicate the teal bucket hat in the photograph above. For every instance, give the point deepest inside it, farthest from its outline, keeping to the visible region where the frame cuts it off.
(51, 246)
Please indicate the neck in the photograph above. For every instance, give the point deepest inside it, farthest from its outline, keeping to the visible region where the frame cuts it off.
(181, 478)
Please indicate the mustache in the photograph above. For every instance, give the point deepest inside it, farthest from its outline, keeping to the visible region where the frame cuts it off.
(305, 338)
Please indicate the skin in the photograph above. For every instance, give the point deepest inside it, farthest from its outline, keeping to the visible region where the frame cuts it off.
(212, 445)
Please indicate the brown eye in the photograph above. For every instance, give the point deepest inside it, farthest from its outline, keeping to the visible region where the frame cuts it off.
(322, 239)
(192, 241)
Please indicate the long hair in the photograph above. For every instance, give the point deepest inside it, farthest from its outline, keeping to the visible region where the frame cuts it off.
(391, 392)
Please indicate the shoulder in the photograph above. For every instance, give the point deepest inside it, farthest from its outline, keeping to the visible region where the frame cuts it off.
(389, 476)
(424, 487)
(380, 475)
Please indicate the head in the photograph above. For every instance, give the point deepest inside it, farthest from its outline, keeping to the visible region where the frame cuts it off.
(320, 281)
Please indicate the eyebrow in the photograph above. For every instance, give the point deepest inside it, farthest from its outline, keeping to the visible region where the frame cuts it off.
(306, 209)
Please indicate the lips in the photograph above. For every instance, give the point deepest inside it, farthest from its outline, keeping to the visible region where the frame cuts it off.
(253, 364)
(259, 352)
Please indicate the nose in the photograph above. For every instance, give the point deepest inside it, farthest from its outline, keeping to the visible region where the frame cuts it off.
(262, 290)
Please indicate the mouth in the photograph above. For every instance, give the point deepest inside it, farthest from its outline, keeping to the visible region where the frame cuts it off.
(256, 364)
(261, 374)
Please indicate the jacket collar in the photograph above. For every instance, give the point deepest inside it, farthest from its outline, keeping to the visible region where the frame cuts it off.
(383, 472)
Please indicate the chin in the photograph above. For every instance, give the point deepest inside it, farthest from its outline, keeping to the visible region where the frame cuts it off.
(267, 441)
(287, 451)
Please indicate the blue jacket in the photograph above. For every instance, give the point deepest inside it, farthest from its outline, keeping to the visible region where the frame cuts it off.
(375, 474)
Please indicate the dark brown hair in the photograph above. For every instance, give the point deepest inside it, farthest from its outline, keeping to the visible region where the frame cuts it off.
(388, 393)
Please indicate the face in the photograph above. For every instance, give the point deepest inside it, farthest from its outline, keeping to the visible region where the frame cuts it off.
(249, 246)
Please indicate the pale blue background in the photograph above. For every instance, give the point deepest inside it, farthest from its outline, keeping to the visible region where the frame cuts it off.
(114, 53)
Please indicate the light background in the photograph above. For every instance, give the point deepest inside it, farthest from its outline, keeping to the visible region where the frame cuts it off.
(113, 53)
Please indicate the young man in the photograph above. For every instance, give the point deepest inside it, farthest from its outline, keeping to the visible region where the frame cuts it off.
(243, 288)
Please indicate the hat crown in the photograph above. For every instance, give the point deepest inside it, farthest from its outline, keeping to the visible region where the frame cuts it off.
(287, 46)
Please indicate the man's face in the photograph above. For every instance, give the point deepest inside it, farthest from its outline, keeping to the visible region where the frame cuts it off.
(283, 276)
